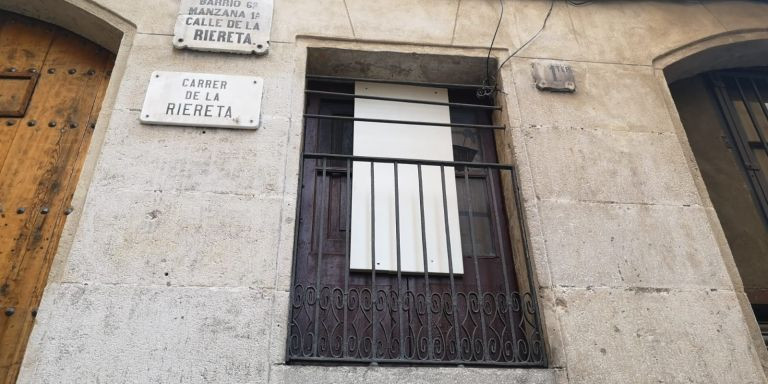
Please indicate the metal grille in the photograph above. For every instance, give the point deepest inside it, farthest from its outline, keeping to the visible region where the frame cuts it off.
(743, 100)
(761, 313)
(488, 315)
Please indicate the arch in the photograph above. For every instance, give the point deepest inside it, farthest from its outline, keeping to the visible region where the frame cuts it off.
(690, 62)
(733, 49)
(87, 19)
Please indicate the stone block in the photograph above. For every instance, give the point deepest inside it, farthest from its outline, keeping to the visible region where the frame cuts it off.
(725, 250)
(155, 52)
(537, 247)
(624, 32)
(168, 158)
(130, 334)
(476, 22)
(636, 32)
(617, 245)
(290, 199)
(656, 336)
(327, 18)
(553, 334)
(557, 40)
(279, 327)
(561, 376)
(407, 375)
(421, 21)
(609, 166)
(285, 252)
(175, 239)
(149, 16)
(85, 18)
(511, 150)
(615, 97)
(739, 15)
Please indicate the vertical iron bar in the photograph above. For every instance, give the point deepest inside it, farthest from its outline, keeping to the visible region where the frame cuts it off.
(528, 263)
(762, 180)
(454, 300)
(323, 211)
(751, 114)
(474, 258)
(430, 354)
(399, 266)
(347, 256)
(373, 265)
(497, 224)
(764, 108)
(731, 118)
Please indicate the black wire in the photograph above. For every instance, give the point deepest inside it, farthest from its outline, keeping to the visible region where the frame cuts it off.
(535, 35)
(578, 3)
(488, 59)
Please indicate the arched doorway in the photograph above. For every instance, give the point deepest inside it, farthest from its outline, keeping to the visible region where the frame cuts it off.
(52, 83)
(721, 96)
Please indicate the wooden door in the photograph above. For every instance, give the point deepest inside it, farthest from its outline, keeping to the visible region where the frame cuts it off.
(42, 148)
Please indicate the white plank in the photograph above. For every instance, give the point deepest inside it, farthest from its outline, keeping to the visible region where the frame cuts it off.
(403, 141)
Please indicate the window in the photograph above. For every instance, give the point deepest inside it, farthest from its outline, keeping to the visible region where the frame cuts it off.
(742, 96)
(761, 313)
(743, 99)
(409, 248)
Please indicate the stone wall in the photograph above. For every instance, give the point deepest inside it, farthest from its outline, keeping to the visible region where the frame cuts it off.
(177, 268)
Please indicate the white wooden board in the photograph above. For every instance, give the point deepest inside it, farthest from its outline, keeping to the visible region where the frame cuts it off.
(403, 141)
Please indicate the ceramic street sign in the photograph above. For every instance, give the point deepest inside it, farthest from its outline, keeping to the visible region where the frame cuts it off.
(237, 26)
(203, 100)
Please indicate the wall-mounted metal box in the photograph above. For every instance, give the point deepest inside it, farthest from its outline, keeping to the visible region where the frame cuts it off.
(553, 76)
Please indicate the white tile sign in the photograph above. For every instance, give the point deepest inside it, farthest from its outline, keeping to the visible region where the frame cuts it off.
(203, 100)
(237, 26)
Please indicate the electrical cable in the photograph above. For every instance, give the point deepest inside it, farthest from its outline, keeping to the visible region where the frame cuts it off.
(535, 35)
(488, 59)
(488, 90)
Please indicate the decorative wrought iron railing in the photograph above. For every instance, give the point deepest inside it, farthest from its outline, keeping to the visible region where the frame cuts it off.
(486, 314)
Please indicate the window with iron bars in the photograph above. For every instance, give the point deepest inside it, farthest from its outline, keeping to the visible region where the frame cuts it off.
(410, 246)
(743, 100)
(742, 96)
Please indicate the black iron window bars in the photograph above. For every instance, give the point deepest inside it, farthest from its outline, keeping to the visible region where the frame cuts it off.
(486, 315)
(743, 100)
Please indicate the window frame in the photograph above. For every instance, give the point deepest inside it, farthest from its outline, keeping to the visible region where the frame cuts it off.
(530, 320)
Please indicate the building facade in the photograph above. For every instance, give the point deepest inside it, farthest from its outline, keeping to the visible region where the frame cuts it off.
(607, 222)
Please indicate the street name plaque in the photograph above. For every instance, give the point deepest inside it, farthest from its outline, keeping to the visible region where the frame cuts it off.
(203, 100)
(235, 26)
